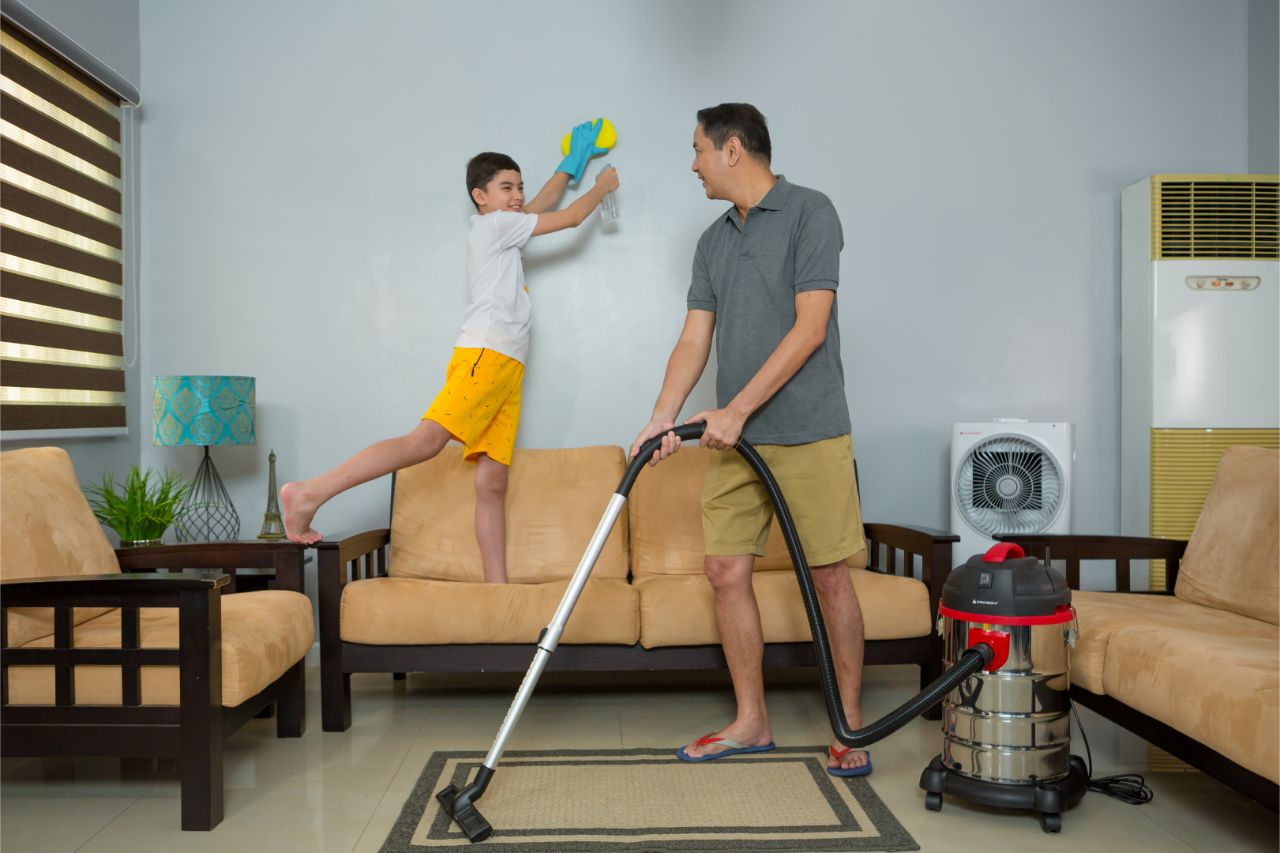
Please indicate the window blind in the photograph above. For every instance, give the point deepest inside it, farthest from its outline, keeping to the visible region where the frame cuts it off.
(61, 248)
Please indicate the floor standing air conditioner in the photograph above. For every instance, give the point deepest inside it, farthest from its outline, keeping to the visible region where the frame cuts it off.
(1008, 477)
(1200, 350)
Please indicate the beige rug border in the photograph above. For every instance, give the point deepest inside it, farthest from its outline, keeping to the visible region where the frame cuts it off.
(880, 830)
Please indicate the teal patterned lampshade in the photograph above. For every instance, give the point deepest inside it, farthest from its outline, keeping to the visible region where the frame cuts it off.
(203, 410)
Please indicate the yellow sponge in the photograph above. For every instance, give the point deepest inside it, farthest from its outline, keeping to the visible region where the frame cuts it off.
(606, 138)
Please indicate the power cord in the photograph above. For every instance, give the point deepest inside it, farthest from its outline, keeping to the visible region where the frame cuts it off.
(1130, 788)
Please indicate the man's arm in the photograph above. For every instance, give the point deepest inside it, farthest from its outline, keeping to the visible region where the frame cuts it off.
(684, 368)
(549, 196)
(724, 426)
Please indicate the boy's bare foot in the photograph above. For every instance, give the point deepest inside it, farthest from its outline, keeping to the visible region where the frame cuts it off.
(298, 510)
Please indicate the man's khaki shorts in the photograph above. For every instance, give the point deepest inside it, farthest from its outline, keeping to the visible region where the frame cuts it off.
(818, 483)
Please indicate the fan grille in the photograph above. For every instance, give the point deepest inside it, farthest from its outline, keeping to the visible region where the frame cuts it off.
(1008, 485)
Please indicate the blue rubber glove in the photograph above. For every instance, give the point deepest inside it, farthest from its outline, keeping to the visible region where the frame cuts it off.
(582, 147)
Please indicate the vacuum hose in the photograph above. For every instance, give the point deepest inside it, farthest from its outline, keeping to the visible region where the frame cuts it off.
(970, 662)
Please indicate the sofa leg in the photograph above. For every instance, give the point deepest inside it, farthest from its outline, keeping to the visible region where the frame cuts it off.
(291, 706)
(335, 700)
(266, 713)
(200, 709)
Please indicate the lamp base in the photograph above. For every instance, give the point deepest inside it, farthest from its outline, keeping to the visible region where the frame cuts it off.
(207, 514)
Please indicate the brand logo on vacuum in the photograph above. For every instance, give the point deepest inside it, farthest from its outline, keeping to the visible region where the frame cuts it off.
(980, 601)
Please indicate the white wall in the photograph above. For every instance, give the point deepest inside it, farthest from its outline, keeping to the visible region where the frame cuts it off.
(1264, 86)
(304, 210)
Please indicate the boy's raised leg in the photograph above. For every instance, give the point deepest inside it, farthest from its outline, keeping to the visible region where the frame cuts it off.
(491, 517)
(299, 501)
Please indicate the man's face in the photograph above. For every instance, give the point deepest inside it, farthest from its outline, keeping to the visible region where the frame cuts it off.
(505, 191)
(711, 166)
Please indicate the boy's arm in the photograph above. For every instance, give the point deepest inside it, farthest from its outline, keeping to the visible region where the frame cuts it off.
(549, 196)
(574, 215)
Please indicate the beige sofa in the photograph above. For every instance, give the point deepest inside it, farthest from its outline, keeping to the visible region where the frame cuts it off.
(1197, 670)
(410, 597)
(102, 657)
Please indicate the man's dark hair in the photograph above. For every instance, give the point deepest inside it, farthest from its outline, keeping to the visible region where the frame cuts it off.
(482, 168)
(741, 120)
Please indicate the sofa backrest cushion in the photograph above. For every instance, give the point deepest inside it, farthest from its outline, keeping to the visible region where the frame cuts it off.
(555, 499)
(666, 520)
(1233, 557)
(47, 530)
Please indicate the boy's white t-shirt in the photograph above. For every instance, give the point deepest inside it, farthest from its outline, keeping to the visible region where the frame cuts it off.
(498, 311)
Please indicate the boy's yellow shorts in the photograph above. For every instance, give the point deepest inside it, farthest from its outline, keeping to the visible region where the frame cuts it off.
(480, 402)
(817, 481)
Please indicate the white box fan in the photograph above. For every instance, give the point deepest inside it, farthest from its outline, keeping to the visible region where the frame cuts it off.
(1008, 477)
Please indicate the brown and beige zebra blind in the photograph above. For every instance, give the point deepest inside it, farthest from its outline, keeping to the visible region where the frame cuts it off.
(61, 259)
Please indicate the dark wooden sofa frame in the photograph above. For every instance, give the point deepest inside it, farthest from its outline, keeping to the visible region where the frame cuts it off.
(1122, 551)
(364, 555)
(191, 732)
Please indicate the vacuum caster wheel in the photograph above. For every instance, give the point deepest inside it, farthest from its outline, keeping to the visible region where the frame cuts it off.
(933, 801)
(1051, 822)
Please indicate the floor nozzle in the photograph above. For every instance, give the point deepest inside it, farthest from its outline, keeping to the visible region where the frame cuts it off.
(464, 813)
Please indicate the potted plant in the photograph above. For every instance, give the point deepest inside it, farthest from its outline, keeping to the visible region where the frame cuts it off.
(142, 510)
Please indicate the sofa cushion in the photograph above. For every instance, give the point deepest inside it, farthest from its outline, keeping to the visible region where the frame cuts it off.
(679, 610)
(1220, 688)
(414, 611)
(263, 634)
(666, 520)
(47, 530)
(1233, 556)
(1102, 614)
(555, 499)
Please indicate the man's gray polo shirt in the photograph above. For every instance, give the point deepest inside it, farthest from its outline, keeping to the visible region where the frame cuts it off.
(749, 276)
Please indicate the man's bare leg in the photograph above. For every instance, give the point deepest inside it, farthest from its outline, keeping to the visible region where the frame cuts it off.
(491, 517)
(299, 501)
(843, 618)
(738, 618)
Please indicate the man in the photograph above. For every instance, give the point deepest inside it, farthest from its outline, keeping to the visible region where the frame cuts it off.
(764, 284)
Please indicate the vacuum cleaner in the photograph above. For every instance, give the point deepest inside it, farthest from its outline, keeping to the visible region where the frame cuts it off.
(1006, 731)
(986, 649)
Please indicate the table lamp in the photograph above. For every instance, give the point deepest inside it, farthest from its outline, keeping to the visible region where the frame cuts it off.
(207, 411)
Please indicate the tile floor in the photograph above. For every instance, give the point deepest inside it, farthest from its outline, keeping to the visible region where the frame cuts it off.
(342, 792)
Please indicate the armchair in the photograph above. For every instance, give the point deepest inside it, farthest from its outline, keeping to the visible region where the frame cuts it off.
(101, 655)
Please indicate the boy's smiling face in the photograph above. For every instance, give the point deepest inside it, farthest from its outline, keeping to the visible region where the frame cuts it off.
(505, 191)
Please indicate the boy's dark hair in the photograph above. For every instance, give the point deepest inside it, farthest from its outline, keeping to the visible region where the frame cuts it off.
(482, 168)
(741, 120)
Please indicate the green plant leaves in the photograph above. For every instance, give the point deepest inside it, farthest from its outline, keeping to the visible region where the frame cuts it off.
(144, 508)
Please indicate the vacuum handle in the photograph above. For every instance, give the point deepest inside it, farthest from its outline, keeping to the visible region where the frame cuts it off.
(684, 432)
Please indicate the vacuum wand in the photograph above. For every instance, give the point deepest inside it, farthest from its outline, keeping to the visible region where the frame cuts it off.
(460, 805)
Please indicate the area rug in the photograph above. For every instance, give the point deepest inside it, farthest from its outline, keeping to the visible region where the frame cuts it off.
(647, 799)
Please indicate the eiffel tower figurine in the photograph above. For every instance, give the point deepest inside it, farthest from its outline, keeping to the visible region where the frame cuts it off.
(272, 526)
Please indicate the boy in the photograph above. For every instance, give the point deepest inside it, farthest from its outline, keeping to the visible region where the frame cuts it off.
(480, 402)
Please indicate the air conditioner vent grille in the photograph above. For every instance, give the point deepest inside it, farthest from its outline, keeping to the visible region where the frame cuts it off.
(1215, 216)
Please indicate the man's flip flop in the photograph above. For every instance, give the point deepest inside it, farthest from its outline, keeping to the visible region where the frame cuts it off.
(847, 772)
(732, 747)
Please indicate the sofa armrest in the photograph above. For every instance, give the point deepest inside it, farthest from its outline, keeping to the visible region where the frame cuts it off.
(285, 558)
(346, 547)
(77, 589)
(933, 547)
(1118, 549)
(196, 595)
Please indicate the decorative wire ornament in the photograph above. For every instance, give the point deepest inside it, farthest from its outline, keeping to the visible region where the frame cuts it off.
(272, 525)
(207, 515)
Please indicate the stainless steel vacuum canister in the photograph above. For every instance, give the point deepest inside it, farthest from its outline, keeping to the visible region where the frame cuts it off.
(1009, 723)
